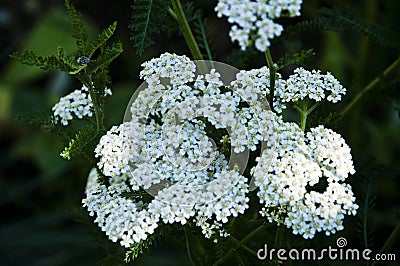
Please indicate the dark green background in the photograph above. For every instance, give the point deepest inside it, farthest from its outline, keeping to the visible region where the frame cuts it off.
(40, 193)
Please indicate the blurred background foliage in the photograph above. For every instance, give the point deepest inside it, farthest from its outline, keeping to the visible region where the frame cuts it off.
(40, 193)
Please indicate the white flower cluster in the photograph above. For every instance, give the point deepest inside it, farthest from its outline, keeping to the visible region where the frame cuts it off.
(305, 162)
(253, 20)
(164, 149)
(311, 84)
(78, 103)
(178, 69)
(121, 218)
(302, 84)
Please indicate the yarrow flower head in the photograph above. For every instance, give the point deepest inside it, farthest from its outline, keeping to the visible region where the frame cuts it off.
(77, 104)
(305, 187)
(253, 20)
(163, 148)
(302, 84)
(311, 84)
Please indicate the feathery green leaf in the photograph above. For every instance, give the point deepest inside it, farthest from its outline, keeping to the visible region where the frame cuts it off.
(83, 144)
(28, 57)
(101, 39)
(106, 57)
(79, 32)
(146, 18)
(294, 59)
(345, 19)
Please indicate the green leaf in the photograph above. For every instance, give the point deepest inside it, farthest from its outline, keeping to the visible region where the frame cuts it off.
(79, 32)
(337, 19)
(294, 59)
(101, 39)
(349, 19)
(145, 22)
(28, 57)
(138, 248)
(83, 144)
(199, 31)
(106, 57)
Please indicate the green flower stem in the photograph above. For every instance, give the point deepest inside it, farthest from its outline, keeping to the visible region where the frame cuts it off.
(188, 245)
(387, 72)
(305, 112)
(272, 72)
(389, 242)
(279, 236)
(242, 242)
(180, 17)
(97, 109)
(243, 246)
(313, 108)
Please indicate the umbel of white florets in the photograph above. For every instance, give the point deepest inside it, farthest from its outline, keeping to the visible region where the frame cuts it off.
(286, 188)
(121, 218)
(311, 84)
(303, 84)
(164, 148)
(253, 20)
(178, 69)
(77, 104)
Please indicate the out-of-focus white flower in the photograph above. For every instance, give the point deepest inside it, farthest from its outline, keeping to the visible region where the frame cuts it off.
(253, 20)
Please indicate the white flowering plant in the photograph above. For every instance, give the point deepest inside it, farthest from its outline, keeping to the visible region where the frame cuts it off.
(220, 153)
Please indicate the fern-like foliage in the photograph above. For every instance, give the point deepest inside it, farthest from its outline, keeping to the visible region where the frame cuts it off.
(101, 39)
(138, 248)
(79, 32)
(239, 58)
(294, 59)
(107, 55)
(45, 63)
(145, 21)
(83, 144)
(365, 214)
(45, 120)
(336, 19)
(70, 63)
(196, 21)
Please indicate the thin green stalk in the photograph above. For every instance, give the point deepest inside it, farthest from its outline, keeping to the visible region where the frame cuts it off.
(305, 112)
(180, 17)
(303, 115)
(389, 242)
(97, 110)
(188, 246)
(312, 108)
(244, 247)
(388, 71)
(279, 236)
(242, 242)
(272, 72)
